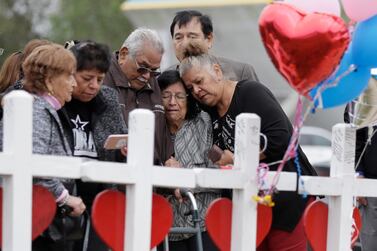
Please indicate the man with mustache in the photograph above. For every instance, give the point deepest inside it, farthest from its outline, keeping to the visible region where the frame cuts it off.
(133, 73)
(192, 34)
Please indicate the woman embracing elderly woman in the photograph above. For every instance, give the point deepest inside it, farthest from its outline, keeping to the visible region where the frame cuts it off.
(48, 75)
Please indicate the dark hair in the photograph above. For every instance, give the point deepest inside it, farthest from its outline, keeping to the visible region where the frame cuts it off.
(184, 17)
(91, 55)
(170, 77)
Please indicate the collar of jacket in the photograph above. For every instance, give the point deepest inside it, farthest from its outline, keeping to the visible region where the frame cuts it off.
(120, 78)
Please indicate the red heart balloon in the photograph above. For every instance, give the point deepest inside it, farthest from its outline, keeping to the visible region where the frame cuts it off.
(315, 223)
(305, 48)
(108, 214)
(219, 222)
(44, 208)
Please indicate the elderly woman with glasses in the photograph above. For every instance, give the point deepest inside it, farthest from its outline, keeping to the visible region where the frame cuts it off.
(191, 131)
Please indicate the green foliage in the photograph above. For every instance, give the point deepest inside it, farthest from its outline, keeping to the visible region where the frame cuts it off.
(16, 24)
(98, 20)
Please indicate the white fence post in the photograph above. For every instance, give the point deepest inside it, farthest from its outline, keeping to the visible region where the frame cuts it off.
(340, 207)
(244, 213)
(17, 199)
(341, 187)
(139, 194)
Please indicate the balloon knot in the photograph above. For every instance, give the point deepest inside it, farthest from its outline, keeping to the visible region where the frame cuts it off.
(265, 200)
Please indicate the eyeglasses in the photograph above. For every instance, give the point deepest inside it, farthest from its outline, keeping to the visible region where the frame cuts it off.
(143, 70)
(178, 96)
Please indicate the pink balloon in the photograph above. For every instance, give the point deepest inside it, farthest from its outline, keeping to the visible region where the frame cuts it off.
(322, 6)
(359, 10)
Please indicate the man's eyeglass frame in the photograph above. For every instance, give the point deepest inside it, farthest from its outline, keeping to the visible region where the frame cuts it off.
(143, 70)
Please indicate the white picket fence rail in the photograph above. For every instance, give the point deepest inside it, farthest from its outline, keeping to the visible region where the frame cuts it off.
(18, 166)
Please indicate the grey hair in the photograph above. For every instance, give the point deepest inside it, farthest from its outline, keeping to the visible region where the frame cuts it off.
(140, 37)
(201, 61)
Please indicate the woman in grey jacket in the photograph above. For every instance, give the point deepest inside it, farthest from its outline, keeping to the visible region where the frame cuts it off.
(49, 77)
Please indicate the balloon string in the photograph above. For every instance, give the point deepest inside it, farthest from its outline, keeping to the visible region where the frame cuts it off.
(369, 141)
(364, 104)
(328, 83)
(351, 27)
(291, 151)
(262, 174)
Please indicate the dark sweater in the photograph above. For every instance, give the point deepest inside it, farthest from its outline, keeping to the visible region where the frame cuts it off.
(253, 97)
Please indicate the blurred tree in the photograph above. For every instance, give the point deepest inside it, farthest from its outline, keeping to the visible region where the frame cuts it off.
(98, 20)
(16, 23)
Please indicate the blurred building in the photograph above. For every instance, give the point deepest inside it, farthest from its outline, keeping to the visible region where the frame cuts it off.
(236, 36)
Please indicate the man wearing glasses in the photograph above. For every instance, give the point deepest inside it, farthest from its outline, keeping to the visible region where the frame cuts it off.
(133, 73)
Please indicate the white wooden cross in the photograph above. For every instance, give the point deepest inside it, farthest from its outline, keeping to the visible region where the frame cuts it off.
(243, 180)
(341, 187)
(18, 166)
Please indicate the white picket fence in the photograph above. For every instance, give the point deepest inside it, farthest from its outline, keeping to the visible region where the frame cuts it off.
(18, 166)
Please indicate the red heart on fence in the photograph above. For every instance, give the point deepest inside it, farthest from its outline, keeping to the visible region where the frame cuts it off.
(44, 208)
(315, 223)
(108, 215)
(305, 48)
(219, 222)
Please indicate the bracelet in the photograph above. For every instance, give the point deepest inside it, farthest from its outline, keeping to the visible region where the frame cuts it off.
(62, 196)
(65, 200)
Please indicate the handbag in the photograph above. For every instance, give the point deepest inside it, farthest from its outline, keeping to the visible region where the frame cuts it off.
(65, 227)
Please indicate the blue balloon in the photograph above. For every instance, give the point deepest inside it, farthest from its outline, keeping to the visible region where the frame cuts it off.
(348, 88)
(364, 43)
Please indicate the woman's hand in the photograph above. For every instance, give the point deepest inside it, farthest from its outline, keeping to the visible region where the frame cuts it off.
(124, 151)
(178, 195)
(76, 204)
(172, 162)
(226, 158)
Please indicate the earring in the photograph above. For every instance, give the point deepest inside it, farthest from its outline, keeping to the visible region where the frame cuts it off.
(51, 92)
